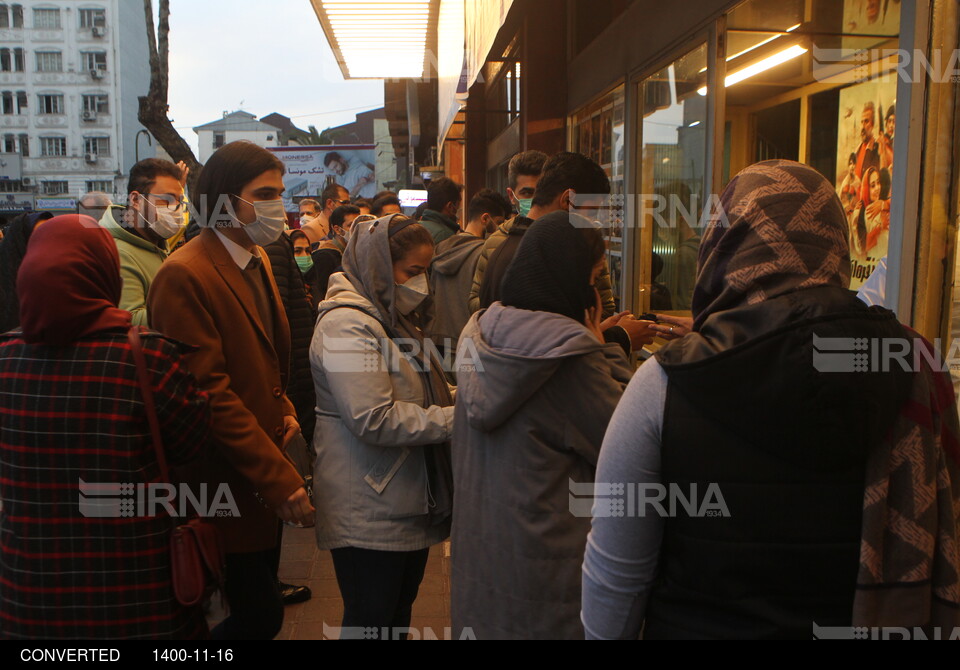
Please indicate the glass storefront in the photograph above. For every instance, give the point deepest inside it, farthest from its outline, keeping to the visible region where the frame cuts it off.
(598, 132)
(808, 80)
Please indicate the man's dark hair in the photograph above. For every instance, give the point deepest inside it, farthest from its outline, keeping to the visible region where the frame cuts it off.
(418, 212)
(382, 194)
(525, 164)
(377, 207)
(310, 202)
(488, 201)
(144, 174)
(568, 170)
(362, 202)
(332, 192)
(340, 213)
(330, 157)
(226, 173)
(441, 192)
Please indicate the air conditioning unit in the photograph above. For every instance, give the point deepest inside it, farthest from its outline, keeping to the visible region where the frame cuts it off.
(26, 181)
(96, 74)
(91, 158)
(99, 31)
(89, 116)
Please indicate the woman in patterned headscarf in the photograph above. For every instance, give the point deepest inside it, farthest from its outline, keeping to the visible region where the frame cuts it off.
(825, 487)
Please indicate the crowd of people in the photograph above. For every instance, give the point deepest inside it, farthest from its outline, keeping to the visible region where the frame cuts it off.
(458, 379)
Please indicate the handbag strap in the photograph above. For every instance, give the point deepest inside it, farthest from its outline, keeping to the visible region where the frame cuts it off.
(136, 345)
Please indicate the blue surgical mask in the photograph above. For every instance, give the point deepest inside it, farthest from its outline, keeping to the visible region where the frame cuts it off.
(305, 263)
(524, 205)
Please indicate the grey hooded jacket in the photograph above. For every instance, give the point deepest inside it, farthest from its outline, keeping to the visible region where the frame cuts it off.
(451, 276)
(536, 393)
(371, 486)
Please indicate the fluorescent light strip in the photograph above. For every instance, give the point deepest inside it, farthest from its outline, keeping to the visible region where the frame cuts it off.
(761, 66)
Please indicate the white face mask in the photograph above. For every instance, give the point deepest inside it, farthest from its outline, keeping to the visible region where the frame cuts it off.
(167, 224)
(305, 219)
(410, 295)
(271, 219)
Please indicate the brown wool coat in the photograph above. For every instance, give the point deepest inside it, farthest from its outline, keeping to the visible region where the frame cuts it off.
(200, 297)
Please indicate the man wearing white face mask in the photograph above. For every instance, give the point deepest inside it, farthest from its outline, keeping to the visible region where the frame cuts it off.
(218, 293)
(154, 214)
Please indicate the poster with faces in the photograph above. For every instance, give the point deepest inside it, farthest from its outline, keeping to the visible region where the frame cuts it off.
(866, 128)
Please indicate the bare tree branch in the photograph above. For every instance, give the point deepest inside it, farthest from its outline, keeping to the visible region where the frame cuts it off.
(154, 106)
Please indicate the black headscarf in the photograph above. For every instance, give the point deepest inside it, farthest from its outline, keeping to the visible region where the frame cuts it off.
(13, 248)
(551, 269)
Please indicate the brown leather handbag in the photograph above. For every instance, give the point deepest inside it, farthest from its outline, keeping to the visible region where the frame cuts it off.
(196, 552)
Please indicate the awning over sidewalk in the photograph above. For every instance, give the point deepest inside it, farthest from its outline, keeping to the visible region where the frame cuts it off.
(380, 39)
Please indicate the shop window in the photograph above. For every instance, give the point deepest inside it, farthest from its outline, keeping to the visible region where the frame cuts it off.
(814, 81)
(597, 131)
(670, 201)
(503, 90)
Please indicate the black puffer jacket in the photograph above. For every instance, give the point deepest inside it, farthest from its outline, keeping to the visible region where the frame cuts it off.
(302, 316)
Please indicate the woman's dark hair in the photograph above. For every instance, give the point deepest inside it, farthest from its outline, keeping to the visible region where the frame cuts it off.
(408, 239)
(885, 183)
(225, 175)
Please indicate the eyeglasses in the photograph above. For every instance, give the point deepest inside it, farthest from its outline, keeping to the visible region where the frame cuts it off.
(167, 201)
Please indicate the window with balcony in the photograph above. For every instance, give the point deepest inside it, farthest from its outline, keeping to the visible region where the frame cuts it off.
(96, 103)
(93, 18)
(53, 146)
(99, 146)
(55, 187)
(94, 60)
(46, 19)
(51, 103)
(49, 61)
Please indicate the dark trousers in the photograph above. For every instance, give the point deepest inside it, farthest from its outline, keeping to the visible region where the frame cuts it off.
(378, 589)
(256, 608)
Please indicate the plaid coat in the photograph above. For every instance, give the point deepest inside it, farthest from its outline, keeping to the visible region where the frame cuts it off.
(76, 413)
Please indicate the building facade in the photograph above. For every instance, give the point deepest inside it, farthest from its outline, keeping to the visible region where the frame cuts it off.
(234, 127)
(71, 74)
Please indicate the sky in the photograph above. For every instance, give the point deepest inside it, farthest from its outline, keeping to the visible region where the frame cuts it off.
(261, 57)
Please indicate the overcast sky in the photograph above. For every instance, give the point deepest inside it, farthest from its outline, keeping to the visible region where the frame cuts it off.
(262, 57)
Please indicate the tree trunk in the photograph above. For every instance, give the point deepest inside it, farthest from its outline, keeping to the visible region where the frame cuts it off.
(154, 106)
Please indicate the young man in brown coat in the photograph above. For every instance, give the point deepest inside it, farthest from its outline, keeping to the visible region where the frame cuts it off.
(217, 293)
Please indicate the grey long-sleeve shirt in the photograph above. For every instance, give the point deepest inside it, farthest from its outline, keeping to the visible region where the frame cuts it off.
(622, 551)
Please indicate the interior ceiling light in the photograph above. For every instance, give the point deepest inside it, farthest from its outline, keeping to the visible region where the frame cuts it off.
(373, 39)
(760, 66)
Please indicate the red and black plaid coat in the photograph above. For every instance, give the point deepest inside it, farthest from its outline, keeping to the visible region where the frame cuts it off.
(76, 413)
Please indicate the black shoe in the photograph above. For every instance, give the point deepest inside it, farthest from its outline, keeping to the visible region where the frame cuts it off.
(294, 594)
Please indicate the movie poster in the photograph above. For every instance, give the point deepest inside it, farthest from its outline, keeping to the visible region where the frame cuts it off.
(871, 17)
(866, 128)
(310, 169)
